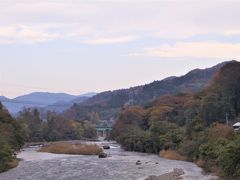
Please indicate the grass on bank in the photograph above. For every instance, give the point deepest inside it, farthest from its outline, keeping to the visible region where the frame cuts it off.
(172, 155)
(14, 163)
(75, 149)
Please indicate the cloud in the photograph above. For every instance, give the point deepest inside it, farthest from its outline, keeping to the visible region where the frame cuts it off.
(194, 50)
(25, 34)
(39, 33)
(106, 22)
(110, 40)
(233, 32)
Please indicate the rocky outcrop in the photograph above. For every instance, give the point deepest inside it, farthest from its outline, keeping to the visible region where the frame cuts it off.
(174, 175)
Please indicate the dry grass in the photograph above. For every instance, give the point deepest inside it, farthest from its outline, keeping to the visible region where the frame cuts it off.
(173, 155)
(75, 149)
(14, 163)
(200, 163)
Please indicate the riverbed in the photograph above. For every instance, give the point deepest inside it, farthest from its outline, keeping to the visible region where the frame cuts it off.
(120, 165)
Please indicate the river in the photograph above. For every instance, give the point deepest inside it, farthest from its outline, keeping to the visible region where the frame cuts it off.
(121, 165)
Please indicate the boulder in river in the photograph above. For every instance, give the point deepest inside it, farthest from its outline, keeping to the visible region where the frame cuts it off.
(102, 155)
(178, 171)
(138, 162)
(106, 147)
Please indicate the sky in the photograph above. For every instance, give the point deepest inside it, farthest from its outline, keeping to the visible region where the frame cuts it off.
(79, 46)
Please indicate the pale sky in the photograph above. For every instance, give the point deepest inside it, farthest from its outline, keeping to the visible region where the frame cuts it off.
(78, 46)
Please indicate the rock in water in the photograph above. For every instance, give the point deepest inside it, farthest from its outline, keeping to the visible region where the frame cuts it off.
(138, 162)
(178, 171)
(102, 155)
(106, 147)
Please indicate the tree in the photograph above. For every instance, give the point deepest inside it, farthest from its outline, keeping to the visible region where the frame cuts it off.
(94, 117)
(11, 138)
(32, 124)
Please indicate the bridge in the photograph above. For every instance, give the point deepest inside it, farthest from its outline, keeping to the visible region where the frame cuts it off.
(103, 131)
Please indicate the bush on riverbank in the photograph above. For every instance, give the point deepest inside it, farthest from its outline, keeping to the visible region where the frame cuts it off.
(75, 149)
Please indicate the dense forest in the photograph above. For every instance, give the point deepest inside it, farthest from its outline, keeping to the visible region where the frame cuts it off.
(11, 140)
(197, 126)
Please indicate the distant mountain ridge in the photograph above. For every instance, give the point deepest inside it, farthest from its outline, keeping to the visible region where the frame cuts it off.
(45, 98)
(109, 103)
(50, 101)
(192, 81)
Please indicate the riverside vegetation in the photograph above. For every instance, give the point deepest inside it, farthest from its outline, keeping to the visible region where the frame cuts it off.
(191, 126)
(11, 140)
(29, 127)
(54, 128)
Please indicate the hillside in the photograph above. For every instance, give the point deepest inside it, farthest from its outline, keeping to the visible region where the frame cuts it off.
(61, 106)
(109, 103)
(192, 126)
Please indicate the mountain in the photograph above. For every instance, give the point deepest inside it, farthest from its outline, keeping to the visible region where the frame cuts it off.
(221, 99)
(109, 103)
(3, 98)
(90, 94)
(48, 101)
(45, 98)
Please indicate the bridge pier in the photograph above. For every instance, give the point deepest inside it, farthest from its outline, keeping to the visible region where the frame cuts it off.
(103, 131)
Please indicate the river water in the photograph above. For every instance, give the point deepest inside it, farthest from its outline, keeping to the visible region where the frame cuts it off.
(121, 165)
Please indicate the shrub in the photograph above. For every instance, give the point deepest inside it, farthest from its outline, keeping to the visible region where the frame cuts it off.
(5, 155)
(220, 131)
(229, 159)
(190, 149)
